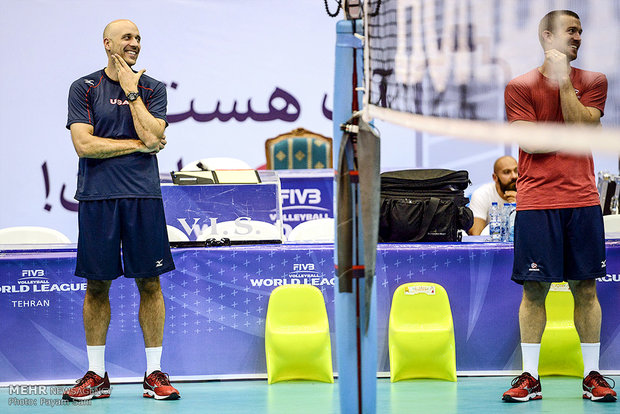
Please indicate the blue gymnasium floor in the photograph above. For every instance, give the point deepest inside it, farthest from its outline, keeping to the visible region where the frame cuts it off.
(468, 395)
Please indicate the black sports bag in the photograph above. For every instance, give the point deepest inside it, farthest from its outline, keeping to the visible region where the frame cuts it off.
(426, 205)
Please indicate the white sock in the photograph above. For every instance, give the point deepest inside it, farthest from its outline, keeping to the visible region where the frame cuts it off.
(591, 354)
(531, 353)
(153, 359)
(96, 359)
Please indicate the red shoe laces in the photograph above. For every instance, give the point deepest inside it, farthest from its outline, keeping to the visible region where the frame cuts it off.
(517, 381)
(600, 381)
(160, 378)
(89, 375)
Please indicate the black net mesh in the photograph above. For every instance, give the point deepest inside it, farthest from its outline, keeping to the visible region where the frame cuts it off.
(422, 62)
(453, 58)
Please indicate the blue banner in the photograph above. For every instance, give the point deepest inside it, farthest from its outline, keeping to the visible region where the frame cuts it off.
(216, 303)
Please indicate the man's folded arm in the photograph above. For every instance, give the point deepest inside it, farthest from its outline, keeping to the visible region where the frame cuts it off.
(88, 145)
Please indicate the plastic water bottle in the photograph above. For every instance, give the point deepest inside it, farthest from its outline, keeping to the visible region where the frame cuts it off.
(495, 224)
(511, 222)
(505, 213)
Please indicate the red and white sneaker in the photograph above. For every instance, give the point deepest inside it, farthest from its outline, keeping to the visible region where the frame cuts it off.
(157, 385)
(523, 388)
(595, 388)
(90, 386)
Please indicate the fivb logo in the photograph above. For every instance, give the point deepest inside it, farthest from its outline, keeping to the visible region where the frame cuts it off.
(296, 196)
(304, 270)
(33, 273)
(32, 276)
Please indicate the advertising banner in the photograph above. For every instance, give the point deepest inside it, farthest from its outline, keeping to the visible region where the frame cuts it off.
(217, 299)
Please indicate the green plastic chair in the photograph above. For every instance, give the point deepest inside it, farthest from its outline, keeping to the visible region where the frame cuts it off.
(421, 333)
(298, 149)
(560, 347)
(297, 340)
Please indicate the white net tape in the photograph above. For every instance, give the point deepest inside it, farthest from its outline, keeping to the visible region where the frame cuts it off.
(577, 139)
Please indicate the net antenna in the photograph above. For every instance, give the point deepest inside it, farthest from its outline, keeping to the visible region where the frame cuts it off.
(421, 61)
(353, 9)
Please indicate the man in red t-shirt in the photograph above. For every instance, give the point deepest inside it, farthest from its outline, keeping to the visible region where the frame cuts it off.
(559, 233)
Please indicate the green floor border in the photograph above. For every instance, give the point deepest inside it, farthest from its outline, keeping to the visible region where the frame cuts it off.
(467, 395)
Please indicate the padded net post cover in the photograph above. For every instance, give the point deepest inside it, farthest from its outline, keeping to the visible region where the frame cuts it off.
(368, 163)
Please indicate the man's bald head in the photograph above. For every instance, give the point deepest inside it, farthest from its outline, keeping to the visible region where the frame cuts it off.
(504, 162)
(116, 26)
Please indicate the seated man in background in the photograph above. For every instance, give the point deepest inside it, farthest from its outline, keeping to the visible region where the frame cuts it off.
(502, 190)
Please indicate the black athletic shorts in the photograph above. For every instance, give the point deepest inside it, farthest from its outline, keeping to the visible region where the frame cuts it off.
(138, 224)
(559, 244)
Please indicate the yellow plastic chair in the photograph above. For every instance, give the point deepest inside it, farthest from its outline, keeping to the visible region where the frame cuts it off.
(297, 340)
(560, 347)
(421, 333)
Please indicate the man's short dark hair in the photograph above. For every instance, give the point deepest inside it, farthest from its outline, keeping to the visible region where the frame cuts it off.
(548, 22)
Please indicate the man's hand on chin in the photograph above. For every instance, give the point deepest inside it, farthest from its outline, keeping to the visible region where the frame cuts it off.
(511, 196)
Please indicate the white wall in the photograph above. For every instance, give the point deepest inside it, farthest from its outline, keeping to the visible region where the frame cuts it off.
(214, 50)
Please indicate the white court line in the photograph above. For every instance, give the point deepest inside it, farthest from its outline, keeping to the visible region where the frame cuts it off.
(250, 377)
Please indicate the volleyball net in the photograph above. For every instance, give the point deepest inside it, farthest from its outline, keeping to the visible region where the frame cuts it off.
(441, 67)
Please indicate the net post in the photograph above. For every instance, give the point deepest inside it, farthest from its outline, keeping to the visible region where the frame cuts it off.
(357, 376)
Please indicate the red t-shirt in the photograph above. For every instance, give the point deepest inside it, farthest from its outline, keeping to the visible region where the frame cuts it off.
(555, 179)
